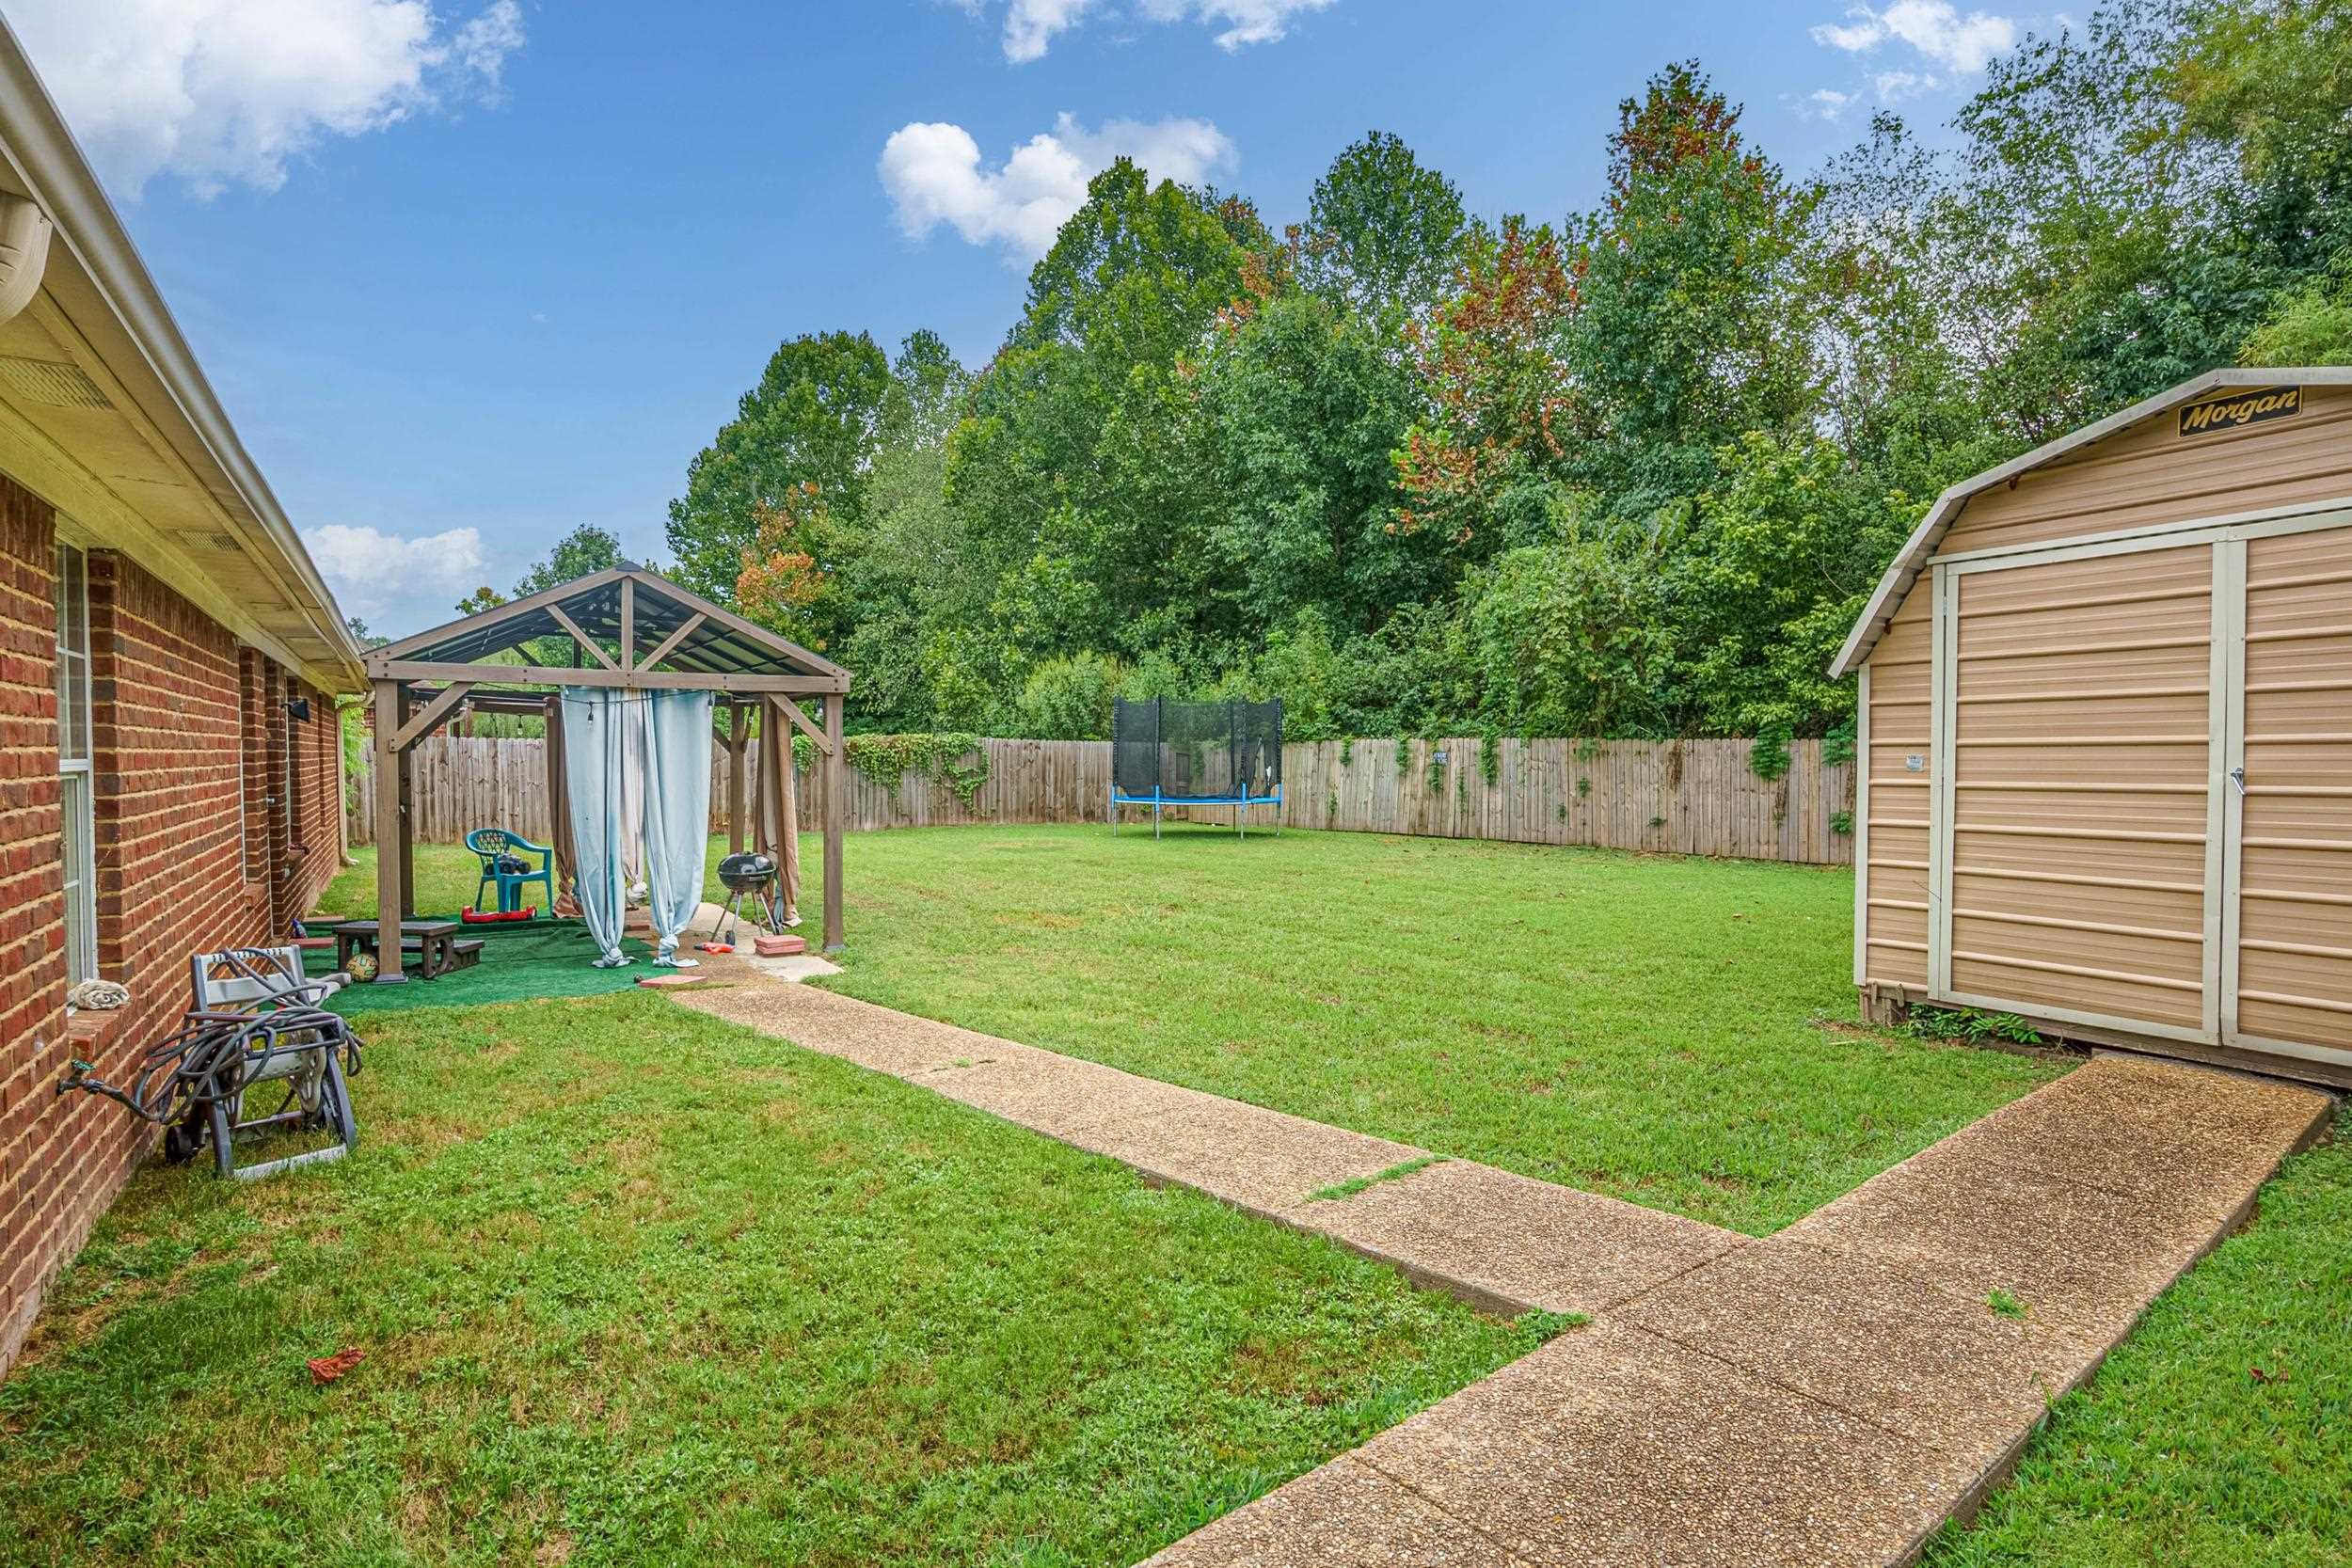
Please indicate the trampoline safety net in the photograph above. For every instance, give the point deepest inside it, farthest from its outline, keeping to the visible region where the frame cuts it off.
(1219, 753)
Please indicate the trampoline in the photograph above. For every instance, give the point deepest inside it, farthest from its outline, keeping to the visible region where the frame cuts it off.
(1167, 754)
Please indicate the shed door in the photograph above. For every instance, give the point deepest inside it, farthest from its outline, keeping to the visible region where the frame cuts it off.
(2289, 920)
(2077, 782)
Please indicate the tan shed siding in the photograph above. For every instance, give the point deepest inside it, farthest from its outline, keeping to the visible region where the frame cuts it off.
(2081, 748)
(2295, 875)
(1895, 945)
(2151, 475)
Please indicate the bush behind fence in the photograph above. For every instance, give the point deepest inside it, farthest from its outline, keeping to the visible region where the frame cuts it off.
(1678, 797)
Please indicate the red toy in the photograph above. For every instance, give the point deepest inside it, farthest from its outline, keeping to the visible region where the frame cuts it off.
(472, 916)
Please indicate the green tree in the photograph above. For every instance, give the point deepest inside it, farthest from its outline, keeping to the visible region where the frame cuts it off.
(1070, 697)
(1383, 235)
(815, 419)
(2153, 186)
(1302, 408)
(584, 550)
(1078, 470)
(1690, 330)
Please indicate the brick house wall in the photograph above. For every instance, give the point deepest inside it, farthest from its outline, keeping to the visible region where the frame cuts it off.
(195, 849)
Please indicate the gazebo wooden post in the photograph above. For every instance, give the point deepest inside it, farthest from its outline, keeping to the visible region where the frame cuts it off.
(833, 808)
(391, 836)
(739, 744)
(407, 757)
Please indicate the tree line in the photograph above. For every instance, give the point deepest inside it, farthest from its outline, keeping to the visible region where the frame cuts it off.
(1632, 473)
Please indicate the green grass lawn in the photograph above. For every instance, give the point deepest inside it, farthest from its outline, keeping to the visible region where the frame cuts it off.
(1675, 1032)
(636, 1286)
(1671, 1030)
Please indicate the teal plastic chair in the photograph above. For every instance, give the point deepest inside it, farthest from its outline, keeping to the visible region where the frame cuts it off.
(501, 854)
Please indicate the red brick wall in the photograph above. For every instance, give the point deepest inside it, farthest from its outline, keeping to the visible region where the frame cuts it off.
(32, 929)
(190, 738)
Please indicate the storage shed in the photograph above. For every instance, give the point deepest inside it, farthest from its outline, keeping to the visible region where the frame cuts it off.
(2106, 741)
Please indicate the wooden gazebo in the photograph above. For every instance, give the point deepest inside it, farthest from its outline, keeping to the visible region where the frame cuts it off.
(628, 627)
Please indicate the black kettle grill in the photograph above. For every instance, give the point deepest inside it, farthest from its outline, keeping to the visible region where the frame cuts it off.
(749, 877)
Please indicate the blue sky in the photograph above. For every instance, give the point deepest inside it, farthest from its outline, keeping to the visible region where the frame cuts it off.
(469, 273)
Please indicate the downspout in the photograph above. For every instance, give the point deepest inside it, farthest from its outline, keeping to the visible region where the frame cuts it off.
(24, 231)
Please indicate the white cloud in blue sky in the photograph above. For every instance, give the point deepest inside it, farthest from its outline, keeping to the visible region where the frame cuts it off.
(222, 93)
(1031, 26)
(1932, 27)
(935, 174)
(407, 580)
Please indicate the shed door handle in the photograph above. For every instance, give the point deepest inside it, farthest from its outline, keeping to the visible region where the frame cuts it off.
(2238, 777)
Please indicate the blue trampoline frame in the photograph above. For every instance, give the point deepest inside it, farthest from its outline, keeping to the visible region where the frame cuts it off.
(1159, 801)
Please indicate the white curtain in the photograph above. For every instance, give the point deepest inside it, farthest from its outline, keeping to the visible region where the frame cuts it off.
(677, 730)
(595, 764)
(632, 800)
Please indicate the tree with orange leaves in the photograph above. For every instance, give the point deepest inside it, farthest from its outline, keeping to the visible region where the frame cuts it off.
(1499, 392)
(785, 580)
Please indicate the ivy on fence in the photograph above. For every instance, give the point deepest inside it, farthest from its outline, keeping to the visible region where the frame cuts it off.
(955, 760)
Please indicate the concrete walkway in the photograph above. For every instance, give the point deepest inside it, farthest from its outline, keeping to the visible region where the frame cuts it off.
(1827, 1396)
(1503, 1242)
(1830, 1395)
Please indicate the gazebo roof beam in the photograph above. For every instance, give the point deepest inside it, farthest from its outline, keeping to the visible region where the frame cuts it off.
(651, 680)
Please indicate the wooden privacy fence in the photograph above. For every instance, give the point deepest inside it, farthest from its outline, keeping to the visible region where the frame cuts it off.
(1677, 797)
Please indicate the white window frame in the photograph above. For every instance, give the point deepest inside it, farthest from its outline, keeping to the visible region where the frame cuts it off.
(77, 815)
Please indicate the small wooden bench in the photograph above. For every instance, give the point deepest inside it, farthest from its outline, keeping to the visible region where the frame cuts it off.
(436, 943)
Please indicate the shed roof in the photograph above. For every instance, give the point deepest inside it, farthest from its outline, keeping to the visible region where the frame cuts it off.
(1920, 548)
(723, 643)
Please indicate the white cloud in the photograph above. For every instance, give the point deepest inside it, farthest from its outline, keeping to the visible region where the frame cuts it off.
(223, 91)
(1031, 25)
(1824, 103)
(375, 574)
(1932, 27)
(1893, 86)
(934, 174)
(1247, 21)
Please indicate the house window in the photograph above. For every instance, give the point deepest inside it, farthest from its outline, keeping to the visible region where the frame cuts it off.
(73, 765)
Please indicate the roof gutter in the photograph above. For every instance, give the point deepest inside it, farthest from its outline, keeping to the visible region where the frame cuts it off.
(42, 153)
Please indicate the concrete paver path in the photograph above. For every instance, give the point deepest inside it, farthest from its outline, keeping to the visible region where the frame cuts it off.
(1833, 1394)
(1827, 1396)
(1500, 1240)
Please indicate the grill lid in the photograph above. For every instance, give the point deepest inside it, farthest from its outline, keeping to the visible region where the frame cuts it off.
(748, 870)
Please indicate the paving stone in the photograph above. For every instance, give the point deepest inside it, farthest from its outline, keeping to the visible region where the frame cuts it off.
(2185, 1137)
(1611, 1448)
(1343, 1515)
(1250, 1156)
(2065, 1250)
(1889, 1340)
(1828, 1396)
(842, 1026)
(1057, 1096)
(1524, 1242)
